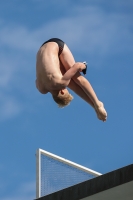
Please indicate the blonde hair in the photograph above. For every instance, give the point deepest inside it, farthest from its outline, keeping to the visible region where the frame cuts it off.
(63, 100)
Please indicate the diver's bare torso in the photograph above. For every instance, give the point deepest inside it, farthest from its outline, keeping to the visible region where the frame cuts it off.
(48, 73)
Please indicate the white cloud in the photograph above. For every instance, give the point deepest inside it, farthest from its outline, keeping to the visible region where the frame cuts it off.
(9, 107)
(90, 26)
(7, 69)
(92, 31)
(19, 38)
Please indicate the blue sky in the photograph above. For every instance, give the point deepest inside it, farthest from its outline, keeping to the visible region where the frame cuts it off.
(100, 32)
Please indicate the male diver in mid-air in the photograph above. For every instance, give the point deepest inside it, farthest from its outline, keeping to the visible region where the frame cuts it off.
(56, 70)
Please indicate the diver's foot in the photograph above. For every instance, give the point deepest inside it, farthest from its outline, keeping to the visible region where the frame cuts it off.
(101, 112)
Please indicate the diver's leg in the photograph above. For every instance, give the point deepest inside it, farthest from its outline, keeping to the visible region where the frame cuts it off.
(78, 90)
(68, 61)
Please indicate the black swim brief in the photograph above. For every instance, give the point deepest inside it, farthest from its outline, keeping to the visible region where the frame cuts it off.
(58, 41)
